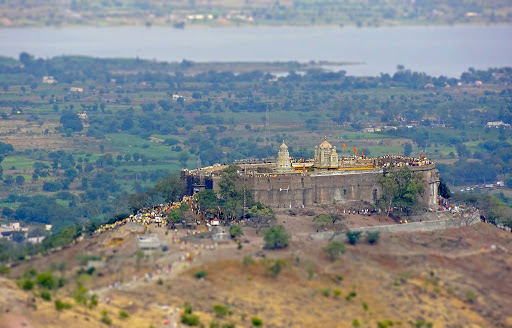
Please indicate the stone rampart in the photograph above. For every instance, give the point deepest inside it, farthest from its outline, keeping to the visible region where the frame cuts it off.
(297, 189)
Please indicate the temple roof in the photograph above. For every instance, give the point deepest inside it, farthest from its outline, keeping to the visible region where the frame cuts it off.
(283, 146)
(325, 144)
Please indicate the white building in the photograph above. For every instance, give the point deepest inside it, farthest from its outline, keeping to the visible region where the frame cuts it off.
(498, 125)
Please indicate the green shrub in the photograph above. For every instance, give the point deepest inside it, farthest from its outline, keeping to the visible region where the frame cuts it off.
(200, 274)
(228, 325)
(256, 322)
(334, 250)
(123, 314)
(326, 292)
(221, 311)
(93, 301)
(46, 280)
(190, 319)
(235, 231)
(372, 237)
(350, 296)
(321, 221)
(353, 237)
(365, 306)
(356, 323)
(276, 237)
(30, 273)
(470, 296)
(187, 308)
(26, 284)
(160, 281)
(337, 292)
(45, 295)
(384, 324)
(214, 324)
(4, 270)
(339, 277)
(105, 318)
(59, 305)
(274, 267)
(421, 323)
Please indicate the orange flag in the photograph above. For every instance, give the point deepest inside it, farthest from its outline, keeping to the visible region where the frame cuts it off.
(355, 150)
(344, 147)
(362, 153)
(420, 155)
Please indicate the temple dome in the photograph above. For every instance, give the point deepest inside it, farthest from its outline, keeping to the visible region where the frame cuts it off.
(325, 144)
(283, 146)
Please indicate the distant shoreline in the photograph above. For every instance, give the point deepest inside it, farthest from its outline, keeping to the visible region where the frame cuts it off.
(457, 47)
(192, 26)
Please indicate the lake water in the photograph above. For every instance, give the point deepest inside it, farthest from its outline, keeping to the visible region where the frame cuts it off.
(437, 50)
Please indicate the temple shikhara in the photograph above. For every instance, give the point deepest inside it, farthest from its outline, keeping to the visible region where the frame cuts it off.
(327, 178)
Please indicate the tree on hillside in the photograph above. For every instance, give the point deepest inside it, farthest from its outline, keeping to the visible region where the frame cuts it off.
(70, 120)
(402, 189)
(322, 221)
(335, 215)
(276, 237)
(260, 216)
(334, 250)
(137, 201)
(231, 183)
(233, 192)
(407, 149)
(183, 158)
(176, 215)
(20, 180)
(462, 150)
(169, 188)
(5, 148)
(443, 190)
(207, 199)
(235, 231)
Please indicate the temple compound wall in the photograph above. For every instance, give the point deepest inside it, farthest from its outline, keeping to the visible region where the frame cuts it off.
(297, 190)
(290, 190)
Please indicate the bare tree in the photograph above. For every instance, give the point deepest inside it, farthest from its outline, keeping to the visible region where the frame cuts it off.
(336, 217)
(262, 217)
(260, 222)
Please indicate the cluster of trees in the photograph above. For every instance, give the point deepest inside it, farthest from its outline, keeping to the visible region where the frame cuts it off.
(401, 190)
(101, 194)
(496, 209)
(229, 203)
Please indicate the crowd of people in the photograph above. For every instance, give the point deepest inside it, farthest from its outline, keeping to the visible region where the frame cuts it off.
(156, 214)
(399, 161)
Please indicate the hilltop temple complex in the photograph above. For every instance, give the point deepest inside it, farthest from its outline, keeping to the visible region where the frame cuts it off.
(326, 179)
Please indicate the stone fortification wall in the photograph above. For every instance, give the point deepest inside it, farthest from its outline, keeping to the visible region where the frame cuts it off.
(290, 190)
(297, 190)
(408, 227)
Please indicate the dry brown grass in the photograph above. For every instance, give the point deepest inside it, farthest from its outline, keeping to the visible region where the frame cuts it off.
(405, 277)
